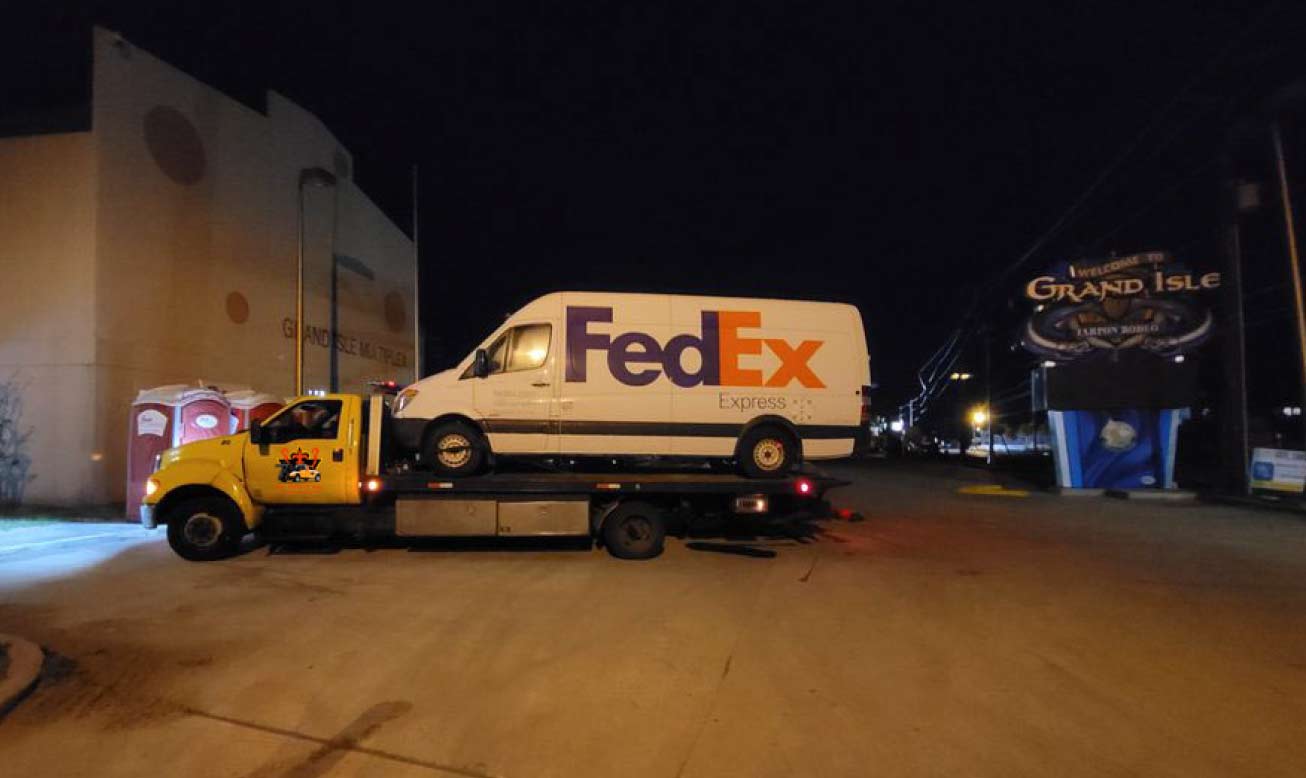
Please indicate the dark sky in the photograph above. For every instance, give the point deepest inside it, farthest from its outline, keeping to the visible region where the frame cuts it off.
(893, 155)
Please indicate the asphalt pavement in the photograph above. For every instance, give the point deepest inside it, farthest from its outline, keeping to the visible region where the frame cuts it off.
(956, 631)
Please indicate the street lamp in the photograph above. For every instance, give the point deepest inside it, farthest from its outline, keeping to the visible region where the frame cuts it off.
(319, 178)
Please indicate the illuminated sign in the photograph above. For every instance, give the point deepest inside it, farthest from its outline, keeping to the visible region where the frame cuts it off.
(1141, 301)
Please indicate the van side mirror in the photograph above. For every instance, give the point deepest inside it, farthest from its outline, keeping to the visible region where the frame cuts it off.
(257, 435)
(481, 363)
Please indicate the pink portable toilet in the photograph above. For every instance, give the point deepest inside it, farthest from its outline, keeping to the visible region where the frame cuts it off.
(153, 428)
(248, 405)
(201, 413)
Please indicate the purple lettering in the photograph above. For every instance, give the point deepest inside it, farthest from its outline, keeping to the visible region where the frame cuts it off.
(709, 349)
(580, 341)
(620, 355)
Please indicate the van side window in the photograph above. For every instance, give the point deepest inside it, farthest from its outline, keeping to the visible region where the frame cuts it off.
(530, 346)
(496, 352)
(520, 348)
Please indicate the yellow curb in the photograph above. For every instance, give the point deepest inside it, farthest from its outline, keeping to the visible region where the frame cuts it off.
(993, 490)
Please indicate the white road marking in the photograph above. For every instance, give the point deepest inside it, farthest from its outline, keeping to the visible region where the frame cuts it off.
(40, 543)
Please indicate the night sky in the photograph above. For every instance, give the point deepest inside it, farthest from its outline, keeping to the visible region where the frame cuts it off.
(892, 155)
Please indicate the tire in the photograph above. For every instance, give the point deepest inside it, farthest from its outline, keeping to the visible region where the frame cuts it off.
(767, 451)
(203, 529)
(455, 449)
(635, 530)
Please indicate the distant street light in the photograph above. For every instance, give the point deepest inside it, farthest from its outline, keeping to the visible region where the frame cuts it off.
(959, 377)
(979, 416)
(315, 177)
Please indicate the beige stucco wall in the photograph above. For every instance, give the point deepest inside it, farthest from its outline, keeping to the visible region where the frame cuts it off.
(47, 250)
(184, 201)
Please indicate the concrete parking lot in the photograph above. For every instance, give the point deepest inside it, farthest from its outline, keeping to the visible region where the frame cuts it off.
(951, 633)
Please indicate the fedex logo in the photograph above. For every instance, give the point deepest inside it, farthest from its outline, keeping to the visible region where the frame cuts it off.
(636, 358)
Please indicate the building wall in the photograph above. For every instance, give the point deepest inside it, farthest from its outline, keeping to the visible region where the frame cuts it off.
(47, 347)
(187, 251)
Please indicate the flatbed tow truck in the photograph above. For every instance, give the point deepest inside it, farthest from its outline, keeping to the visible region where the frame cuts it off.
(211, 493)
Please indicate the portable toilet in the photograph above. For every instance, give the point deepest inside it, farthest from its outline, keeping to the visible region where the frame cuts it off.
(248, 405)
(202, 413)
(153, 428)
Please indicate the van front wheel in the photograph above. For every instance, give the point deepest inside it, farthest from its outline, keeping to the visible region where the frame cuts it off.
(455, 449)
(767, 452)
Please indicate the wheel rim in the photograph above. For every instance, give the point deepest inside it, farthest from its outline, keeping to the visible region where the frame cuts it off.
(202, 530)
(769, 454)
(453, 450)
(636, 531)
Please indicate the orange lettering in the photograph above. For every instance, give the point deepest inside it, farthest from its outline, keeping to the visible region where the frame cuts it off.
(733, 347)
(793, 363)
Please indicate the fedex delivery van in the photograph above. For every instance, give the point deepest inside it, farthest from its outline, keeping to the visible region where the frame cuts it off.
(766, 383)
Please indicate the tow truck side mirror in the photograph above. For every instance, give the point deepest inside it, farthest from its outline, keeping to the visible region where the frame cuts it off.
(481, 363)
(257, 435)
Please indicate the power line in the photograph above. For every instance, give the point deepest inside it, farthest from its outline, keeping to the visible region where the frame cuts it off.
(931, 387)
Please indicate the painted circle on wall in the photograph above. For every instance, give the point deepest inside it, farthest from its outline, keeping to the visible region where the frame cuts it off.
(237, 307)
(396, 313)
(175, 144)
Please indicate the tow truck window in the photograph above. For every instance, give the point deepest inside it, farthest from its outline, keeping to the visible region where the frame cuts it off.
(308, 420)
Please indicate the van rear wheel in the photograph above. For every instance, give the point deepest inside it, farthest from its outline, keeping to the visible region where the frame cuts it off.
(767, 452)
(455, 449)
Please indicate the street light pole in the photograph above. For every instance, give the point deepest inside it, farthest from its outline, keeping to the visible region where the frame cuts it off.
(988, 393)
(313, 176)
(417, 286)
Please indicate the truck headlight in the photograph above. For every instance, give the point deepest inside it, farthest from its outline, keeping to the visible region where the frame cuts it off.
(405, 397)
(151, 486)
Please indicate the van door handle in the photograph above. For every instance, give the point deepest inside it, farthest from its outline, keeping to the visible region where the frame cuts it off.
(540, 383)
(338, 455)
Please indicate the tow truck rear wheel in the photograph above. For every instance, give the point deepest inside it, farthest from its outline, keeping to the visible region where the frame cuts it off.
(634, 530)
(454, 448)
(204, 529)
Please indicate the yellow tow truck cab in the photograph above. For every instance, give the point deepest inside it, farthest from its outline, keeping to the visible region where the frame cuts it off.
(317, 468)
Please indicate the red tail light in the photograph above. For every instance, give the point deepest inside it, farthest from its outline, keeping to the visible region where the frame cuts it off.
(804, 487)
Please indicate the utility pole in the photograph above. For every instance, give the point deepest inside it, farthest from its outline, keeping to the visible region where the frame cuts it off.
(1233, 426)
(1233, 420)
(1290, 234)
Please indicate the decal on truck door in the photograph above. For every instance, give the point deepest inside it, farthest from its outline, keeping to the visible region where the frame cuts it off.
(299, 466)
(637, 359)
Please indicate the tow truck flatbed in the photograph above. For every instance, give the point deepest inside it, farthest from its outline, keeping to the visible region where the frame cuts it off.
(807, 483)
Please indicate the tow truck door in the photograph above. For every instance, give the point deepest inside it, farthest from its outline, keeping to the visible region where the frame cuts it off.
(308, 454)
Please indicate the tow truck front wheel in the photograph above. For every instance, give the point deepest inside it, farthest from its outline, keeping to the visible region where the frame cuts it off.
(204, 529)
(634, 530)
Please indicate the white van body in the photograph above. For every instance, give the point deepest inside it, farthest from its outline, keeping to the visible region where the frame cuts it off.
(589, 373)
